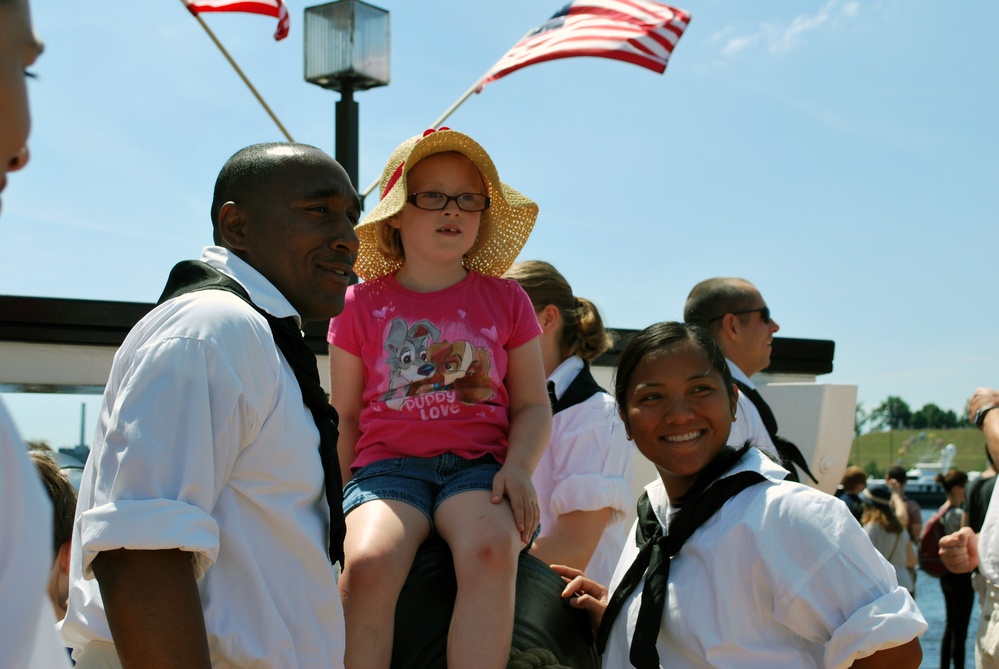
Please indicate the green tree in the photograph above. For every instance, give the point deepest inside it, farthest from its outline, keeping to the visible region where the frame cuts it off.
(861, 419)
(892, 414)
(933, 417)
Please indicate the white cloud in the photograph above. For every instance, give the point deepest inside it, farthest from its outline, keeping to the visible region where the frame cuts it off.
(779, 37)
(737, 44)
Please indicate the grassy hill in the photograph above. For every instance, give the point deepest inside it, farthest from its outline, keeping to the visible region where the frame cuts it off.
(876, 451)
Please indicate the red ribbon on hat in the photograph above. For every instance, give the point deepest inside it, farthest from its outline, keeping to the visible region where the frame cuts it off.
(398, 171)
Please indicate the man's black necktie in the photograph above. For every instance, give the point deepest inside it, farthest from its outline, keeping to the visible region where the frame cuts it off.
(705, 497)
(789, 453)
(190, 276)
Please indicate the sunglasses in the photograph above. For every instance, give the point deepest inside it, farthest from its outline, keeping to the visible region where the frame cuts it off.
(764, 314)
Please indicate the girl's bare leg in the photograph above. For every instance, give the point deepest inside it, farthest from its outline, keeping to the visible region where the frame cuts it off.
(485, 544)
(382, 538)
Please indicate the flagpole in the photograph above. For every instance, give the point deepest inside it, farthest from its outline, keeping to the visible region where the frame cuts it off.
(242, 76)
(450, 110)
(443, 117)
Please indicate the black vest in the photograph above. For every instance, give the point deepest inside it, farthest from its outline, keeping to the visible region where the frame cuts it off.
(582, 388)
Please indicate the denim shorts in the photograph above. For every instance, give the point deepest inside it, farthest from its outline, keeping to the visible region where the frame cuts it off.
(420, 482)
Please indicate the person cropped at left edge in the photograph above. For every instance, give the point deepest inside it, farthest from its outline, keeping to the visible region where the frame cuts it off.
(203, 536)
(729, 564)
(28, 639)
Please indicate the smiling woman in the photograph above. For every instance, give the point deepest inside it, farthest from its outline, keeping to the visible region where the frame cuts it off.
(758, 571)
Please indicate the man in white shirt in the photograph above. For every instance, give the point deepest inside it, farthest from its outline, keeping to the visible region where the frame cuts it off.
(27, 634)
(739, 319)
(202, 529)
(965, 550)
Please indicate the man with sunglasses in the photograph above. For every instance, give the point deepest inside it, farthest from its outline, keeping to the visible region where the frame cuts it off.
(739, 320)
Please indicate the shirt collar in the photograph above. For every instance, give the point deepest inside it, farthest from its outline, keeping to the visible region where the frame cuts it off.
(753, 460)
(565, 373)
(262, 292)
(738, 374)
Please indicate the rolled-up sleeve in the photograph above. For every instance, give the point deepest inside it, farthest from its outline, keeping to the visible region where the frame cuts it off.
(592, 463)
(844, 593)
(172, 433)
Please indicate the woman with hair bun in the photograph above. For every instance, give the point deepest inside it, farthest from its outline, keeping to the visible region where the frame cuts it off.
(583, 479)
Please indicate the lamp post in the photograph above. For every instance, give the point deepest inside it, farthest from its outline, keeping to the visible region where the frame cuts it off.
(347, 50)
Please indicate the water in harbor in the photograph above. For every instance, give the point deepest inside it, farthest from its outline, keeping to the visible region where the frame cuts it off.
(931, 603)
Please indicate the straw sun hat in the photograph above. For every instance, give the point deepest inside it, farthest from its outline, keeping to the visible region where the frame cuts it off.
(504, 226)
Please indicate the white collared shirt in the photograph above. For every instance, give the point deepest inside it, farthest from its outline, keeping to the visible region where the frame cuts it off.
(748, 425)
(27, 635)
(587, 467)
(204, 443)
(781, 576)
(988, 543)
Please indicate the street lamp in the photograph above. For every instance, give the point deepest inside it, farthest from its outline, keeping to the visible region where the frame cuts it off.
(347, 50)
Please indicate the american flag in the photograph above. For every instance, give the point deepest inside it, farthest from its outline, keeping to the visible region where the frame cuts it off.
(642, 32)
(273, 8)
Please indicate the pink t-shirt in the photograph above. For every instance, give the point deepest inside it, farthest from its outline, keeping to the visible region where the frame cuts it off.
(434, 365)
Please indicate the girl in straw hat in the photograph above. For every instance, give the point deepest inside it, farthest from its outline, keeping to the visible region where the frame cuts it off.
(437, 375)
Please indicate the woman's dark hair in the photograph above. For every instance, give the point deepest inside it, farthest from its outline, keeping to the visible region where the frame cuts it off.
(955, 478)
(666, 336)
(583, 331)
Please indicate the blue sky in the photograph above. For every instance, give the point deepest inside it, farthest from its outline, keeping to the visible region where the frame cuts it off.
(837, 154)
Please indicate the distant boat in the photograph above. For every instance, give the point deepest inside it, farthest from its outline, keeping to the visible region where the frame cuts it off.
(922, 486)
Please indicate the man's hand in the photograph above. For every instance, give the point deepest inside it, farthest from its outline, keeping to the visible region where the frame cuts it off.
(983, 397)
(959, 551)
(515, 484)
(986, 397)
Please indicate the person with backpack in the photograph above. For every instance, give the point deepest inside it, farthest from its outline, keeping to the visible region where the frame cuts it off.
(959, 596)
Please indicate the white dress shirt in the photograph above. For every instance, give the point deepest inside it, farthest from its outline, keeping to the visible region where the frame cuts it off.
(781, 576)
(587, 467)
(988, 543)
(748, 425)
(27, 635)
(204, 443)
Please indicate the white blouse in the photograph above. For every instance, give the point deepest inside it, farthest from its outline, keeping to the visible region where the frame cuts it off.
(782, 576)
(587, 467)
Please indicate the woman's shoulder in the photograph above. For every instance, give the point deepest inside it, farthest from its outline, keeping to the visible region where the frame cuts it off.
(802, 510)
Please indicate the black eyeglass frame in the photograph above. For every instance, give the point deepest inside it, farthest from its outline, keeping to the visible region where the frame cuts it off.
(411, 199)
(763, 311)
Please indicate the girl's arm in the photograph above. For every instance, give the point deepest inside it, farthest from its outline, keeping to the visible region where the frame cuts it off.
(530, 427)
(346, 393)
